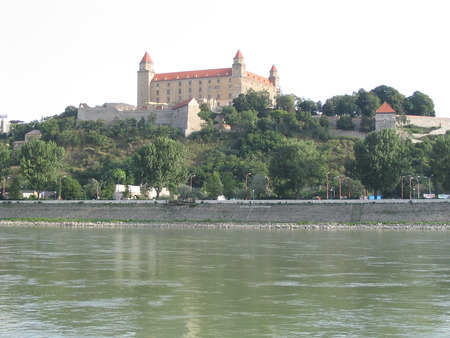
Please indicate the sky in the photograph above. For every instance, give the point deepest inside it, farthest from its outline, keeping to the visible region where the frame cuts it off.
(59, 53)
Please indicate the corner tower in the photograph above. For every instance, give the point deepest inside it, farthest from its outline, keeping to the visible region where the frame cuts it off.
(273, 78)
(238, 65)
(145, 76)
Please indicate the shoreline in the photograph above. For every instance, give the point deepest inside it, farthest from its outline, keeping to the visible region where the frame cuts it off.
(228, 225)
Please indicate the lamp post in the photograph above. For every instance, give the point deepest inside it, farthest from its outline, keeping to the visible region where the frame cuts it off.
(410, 186)
(402, 185)
(190, 180)
(4, 186)
(246, 180)
(429, 182)
(327, 184)
(418, 187)
(60, 187)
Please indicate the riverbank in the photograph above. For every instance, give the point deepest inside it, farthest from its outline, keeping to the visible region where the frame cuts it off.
(226, 225)
(239, 212)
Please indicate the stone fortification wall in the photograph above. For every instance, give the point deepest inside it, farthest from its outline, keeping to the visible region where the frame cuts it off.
(111, 115)
(428, 121)
(309, 212)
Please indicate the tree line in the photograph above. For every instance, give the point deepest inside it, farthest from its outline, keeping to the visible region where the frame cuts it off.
(280, 151)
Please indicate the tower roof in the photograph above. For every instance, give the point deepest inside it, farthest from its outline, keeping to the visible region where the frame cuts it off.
(385, 108)
(146, 58)
(273, 69)
(239, 55)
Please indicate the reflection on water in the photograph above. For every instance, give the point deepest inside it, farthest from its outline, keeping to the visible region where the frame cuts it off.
(227, 283)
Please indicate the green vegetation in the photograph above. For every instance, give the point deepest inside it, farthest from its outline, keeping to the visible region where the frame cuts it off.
(281, 151)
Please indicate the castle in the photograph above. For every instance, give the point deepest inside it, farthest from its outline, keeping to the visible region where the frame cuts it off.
(173, 98)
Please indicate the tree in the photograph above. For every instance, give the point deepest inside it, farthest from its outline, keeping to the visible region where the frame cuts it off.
(294, 165)
(40, 163)
(286, 102)
(159, 163)
(419, 104)
(367, 102)
(71, 189)
(252, 100)
(380, 160)
(246, 120)
(308, 106)
(5, 160)
(391, 96)
(345, 122)
(440, 160)
(213, 185)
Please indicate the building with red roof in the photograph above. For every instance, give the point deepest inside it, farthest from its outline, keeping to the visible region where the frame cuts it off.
(221, 84)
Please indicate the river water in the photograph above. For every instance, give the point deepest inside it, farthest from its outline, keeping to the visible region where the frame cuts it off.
(59, 282)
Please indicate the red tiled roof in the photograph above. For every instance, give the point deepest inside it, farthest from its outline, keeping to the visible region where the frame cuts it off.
(146, 58)
(385, 108)
(206, 73)
(193, 74)
(273, 69)
(182, 103)
(239, 54)
(259, 78)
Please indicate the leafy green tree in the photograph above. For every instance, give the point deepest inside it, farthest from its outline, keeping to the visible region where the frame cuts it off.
(308, 106)
(294, 165)
(159, 163)
(440, 161)
(71, 189)
(380, 160)
(5, 160)
(419, 104)
(246, 120)
(15, 189)
(340, 105)
(252, 100)
(213, 185)
(286, 102)
(391, 96)
(367, 125)
(40, 163)
(345, 122)
(367, 102)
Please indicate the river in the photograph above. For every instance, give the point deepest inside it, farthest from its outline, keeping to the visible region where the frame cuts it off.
(154, 282)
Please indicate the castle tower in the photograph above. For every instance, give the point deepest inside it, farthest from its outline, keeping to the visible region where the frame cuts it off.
(238, 65)
(385, 117)
(274, 77)
(145, 76)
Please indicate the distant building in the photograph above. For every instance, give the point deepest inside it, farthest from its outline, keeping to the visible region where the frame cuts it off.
(221, 84)
(32, 135)
(4, 124)
(173, 98)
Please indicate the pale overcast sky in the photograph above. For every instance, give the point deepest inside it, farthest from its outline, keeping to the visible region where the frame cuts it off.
(56, 53)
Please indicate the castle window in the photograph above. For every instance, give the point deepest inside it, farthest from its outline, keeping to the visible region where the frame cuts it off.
(209, 81)
(168, 99)
(157, 100)
(168, 91)
(200, 89)
(168, 84)
(179, 90)
(179, 84)
(229, 87)
(157, 92)
(218, 96)
(200, 82)
(190, 90)
(218, 80)
(209, 96)
(190, 83)
(229, 80)
(157, 85)
(179, 98)
(229, 95)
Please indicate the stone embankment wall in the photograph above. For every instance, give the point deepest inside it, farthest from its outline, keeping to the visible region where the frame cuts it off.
(307, 212)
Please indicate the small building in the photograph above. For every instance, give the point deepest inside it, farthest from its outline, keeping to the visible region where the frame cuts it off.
(32, 135)
(385, 117)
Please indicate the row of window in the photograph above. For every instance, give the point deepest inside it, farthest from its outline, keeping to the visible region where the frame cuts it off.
(200, 90)
(158, 100)
(190, 82)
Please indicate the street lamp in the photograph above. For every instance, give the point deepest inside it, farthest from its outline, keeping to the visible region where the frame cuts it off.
(4, 186)
(410, 186)
(429, 182)
(60, 187)
(418, 187)
(190, 180)
(246, 180)
(327, 184)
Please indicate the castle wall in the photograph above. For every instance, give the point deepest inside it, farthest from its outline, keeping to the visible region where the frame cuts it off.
(429, 121)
